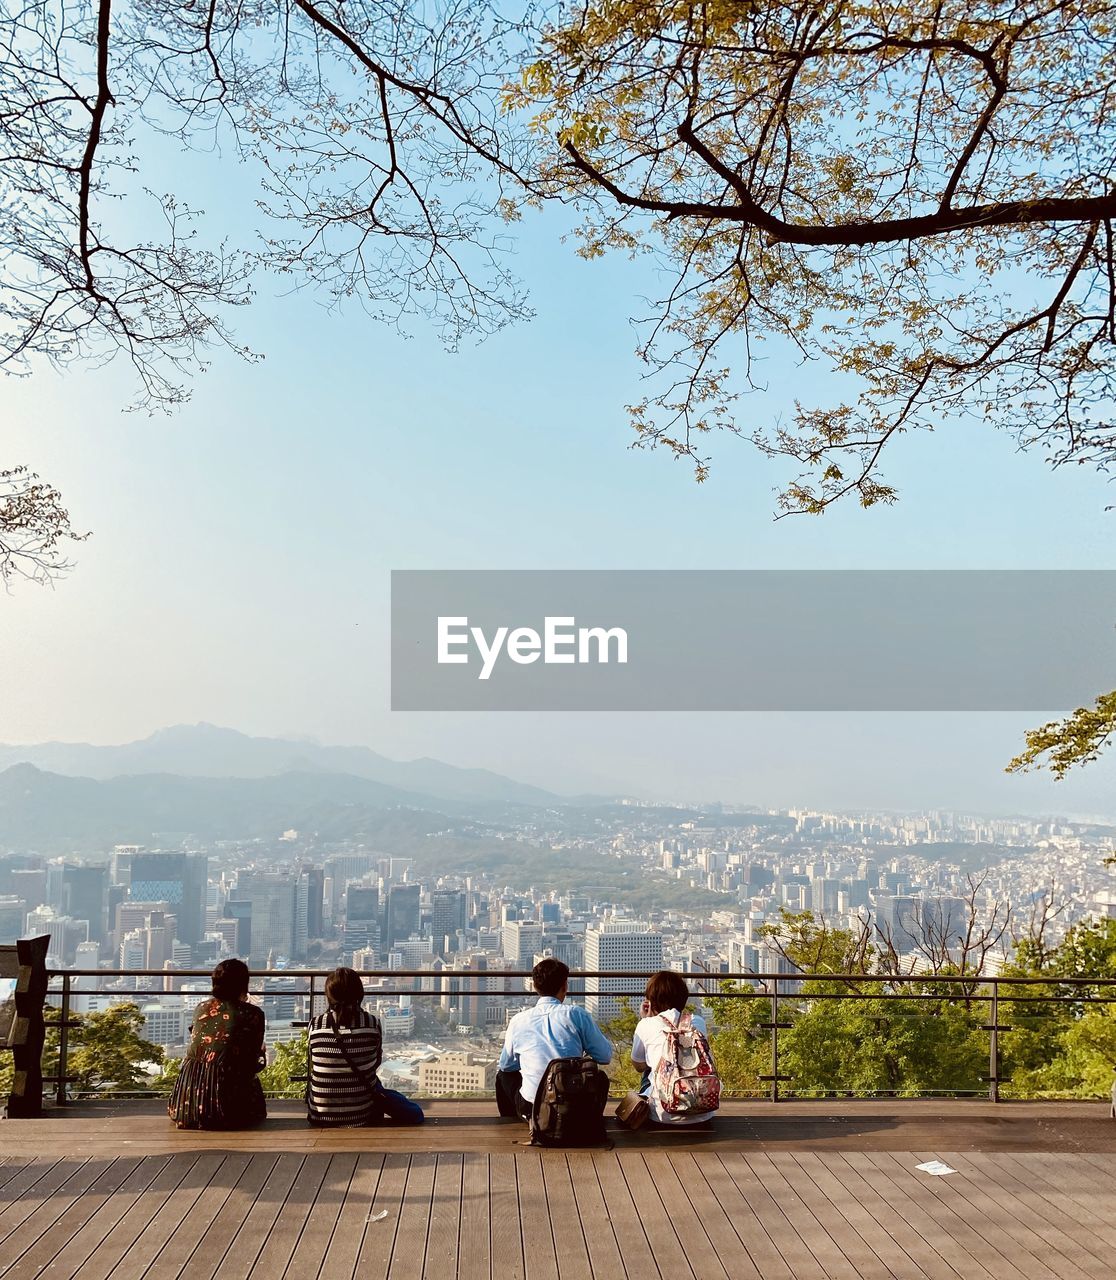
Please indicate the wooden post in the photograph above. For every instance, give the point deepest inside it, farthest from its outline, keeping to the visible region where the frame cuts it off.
(29, 1029)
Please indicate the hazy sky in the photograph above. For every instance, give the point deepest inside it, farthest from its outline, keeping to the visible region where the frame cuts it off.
(238, 571)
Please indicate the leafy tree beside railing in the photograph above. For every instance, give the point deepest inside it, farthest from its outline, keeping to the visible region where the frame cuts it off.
(1067, 1046)
(622, 1075)
(879, 1042)
(107, 1052)
(289, 1060)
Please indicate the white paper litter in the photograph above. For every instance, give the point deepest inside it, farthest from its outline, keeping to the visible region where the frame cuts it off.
(936, 1167)
(378, 1217)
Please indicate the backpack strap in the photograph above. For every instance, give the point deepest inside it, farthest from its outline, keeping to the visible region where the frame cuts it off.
(685, 1020)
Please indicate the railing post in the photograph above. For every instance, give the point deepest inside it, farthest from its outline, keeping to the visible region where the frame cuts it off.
(775, 1040)
(309, 1023)
(994, 1046)
(63, 1044)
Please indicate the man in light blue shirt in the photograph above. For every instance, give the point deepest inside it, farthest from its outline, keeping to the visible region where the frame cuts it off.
(535, 1037)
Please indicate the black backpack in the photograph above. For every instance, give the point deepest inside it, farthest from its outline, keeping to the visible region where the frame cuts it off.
(569, 1105)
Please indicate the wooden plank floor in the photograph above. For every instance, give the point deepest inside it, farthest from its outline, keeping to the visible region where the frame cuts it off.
(532, 1215)
(141, 1128)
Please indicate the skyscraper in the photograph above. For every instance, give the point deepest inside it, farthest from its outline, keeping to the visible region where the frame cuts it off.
(362, 917)
(84, 896)
(447, 915)
(402, 917)
(315, 901)
(13, 912)
(625, 945)
(177, 878)
(309, 906)
(272, 897)
(899, 922)
(340, 869)
(519, 941)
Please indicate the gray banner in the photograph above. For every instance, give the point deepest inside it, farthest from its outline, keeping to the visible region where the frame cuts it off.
(931, 640)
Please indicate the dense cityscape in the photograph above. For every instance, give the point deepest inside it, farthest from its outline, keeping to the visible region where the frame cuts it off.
(708, 895)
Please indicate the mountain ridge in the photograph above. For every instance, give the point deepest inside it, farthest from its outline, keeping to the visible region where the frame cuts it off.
(205, 750)
(53, 811)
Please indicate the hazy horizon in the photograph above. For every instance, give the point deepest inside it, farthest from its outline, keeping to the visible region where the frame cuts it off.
(1073, 798)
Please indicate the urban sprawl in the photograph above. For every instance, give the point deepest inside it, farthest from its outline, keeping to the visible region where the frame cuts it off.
(435, 940)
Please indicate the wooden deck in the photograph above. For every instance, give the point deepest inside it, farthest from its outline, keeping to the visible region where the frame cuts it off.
(795, 1191)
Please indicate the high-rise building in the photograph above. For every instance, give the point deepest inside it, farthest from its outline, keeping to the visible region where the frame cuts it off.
(447, 916)
(13, 912)
(227, 931)
(133, 950)
(177, 878)
(944, 923)
(625, 945)
(300, 927)
(131, 915)
(519, 941)
(899, 922)
(272, 897)
(340, 869)
(165, 1024)
(563, 945)
(823, 898)
(65, 933)
(315, 901)
(402, 917)
(240, 910)
(362, 917)
(85, 897)
(30, 884)
(470, 992)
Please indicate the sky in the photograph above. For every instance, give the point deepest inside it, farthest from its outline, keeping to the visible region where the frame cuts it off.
(239, 563)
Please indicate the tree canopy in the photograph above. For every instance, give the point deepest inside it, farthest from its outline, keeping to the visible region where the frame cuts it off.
(107, 1053)
(915, 199)
(367, 123)
(911, 1036)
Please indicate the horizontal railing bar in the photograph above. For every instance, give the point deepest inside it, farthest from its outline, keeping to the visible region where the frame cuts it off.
(697, 976)
(510, 992)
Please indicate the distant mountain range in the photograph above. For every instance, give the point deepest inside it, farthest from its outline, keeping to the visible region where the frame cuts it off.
(207, 751)
(50, 812)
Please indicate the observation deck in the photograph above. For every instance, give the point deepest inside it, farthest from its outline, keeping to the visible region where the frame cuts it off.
(783, 1188)
(804, 1190)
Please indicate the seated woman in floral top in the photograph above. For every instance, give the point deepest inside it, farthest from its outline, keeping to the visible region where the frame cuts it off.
(217, 1086)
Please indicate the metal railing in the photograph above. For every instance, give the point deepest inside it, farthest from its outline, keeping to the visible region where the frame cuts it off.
(789, 995)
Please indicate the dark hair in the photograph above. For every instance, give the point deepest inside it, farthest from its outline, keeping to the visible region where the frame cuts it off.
(667, 990)
(550, 976)
(230, 980)
(344, 992)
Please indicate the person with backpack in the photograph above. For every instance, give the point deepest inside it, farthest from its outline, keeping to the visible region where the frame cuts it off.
(670, 1046)
(346, 1049)
(547, 1073)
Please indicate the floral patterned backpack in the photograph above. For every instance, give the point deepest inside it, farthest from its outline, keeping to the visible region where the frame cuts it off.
(686, 1081)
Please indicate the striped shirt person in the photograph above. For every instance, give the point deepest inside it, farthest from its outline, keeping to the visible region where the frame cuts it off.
(346, 1049)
